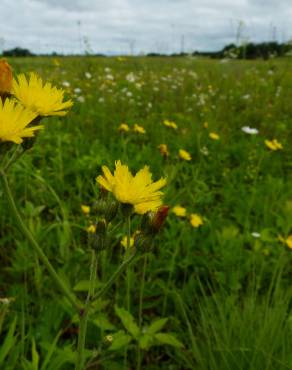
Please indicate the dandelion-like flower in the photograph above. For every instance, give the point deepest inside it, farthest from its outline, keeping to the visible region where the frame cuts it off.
(214, 136)
(179, 211)
(170, 124)
(183, 154)
(124, 127)
(43, 99)
(138, 191)
(163, 150)
(273, 144)
(196, 220)
(14, 121)
(139, 129)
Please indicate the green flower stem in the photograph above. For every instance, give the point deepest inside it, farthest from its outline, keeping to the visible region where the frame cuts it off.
(114, 277)
(83, 314)
(139, 357)
(128, 268)
(69, 295)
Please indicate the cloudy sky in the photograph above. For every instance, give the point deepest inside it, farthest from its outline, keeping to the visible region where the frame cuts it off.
(125, 26)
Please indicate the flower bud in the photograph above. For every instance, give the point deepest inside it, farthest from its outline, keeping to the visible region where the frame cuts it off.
(6, 78)
(153, 221)
(98, 238)
(143, 242)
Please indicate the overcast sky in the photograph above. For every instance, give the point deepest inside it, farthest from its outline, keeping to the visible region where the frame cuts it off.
(124, 26)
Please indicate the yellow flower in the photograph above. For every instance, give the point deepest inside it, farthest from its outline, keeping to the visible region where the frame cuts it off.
(183, 154)
(14, 119)
(43, 99)
(170, 124)
(85, 209)
(91, 229)
(205, 124)
(289, 241)
(273, 144)
(196, 220)
(138, 190)
(163, 150)
(139, 129)
(6, 77)
(214, 136)
(179, 211)
(124, 242)
(124, 127)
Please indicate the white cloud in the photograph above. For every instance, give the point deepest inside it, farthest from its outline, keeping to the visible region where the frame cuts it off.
(152, 25)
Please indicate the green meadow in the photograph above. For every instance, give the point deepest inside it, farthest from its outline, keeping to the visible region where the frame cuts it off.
(212, 294)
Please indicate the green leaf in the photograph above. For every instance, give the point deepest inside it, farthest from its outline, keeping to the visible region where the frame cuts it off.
(120, 340)
(8, 341)
(145, 341)
(103, 323)
(84, 285)
(168, 339)
(128, 322)
(35, 356)
(157, 325)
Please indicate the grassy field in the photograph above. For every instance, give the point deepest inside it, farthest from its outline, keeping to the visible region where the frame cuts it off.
(212, 294)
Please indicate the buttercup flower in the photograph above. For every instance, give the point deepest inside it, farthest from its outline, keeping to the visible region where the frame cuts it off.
(214, 136)
(273, 144)
(138, 190)
(179, 211)
(6, 77)
(183, 154)
(139, 129)
(43, 99)
(14, 120)
(196, 220)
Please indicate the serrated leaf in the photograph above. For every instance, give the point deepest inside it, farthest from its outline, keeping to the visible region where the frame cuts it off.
(120, 340)
(157, 325)
(169, 339)
(128, 321)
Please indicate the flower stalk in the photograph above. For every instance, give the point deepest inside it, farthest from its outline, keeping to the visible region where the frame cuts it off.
(18, 219)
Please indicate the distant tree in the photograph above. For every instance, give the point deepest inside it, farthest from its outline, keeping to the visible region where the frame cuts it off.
(17, 52)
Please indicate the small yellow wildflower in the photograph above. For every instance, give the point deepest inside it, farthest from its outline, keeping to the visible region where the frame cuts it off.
(138, 190)
(85, 209)
(287, 241)
(139, 129)
(179, 211)
(124, 242)
(163, 150)
(170, 124)
(273, 144)
(205, 124)
(196, 220)
(214, 136)
(183, 154)
(6, 77)
(109, 338)
(91, 229)
(14, 120)
(124, 127)
(43, 99)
